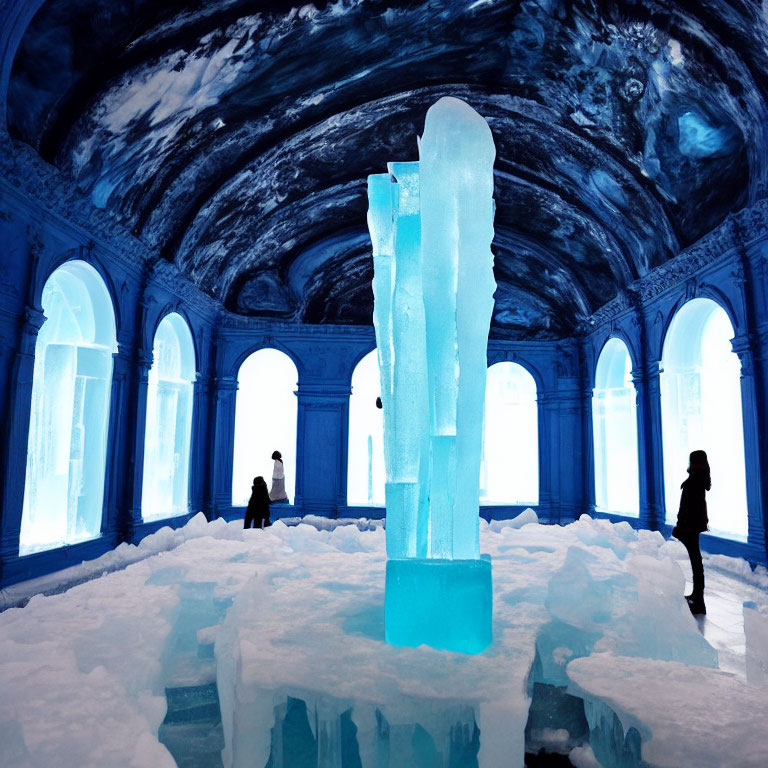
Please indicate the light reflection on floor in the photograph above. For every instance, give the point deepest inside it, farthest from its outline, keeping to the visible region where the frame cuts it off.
(723, 625)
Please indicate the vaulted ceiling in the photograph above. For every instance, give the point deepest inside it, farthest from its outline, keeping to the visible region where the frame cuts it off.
(235, 137)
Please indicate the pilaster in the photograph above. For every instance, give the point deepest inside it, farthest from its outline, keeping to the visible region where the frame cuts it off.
(18, 434)
(144, 361)
(225, 393)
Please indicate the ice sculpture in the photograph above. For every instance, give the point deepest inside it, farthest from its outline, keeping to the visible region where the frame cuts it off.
(169, 421)
(431, 225)
(66, 453)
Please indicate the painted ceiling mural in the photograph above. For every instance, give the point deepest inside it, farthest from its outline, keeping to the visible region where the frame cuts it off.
(235, 137)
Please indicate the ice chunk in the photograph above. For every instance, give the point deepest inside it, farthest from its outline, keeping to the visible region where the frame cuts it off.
(525, 517)
(756, 631)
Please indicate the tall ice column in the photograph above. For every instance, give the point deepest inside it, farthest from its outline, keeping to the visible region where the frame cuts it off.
(431, 227)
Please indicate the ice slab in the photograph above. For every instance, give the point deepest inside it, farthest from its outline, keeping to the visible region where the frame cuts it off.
(756, 632)
(684, 715)
(84, 673)
(445, 604)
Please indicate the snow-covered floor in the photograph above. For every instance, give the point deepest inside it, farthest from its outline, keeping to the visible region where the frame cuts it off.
(296, 613)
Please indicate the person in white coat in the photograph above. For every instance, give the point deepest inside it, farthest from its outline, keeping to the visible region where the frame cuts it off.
(277, 494)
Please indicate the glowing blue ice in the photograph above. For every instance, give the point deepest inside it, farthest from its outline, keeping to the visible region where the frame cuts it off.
(431, 226)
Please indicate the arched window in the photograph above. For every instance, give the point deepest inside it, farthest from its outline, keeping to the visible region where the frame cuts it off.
(265, 421)
(614, 427)
(509, 470)
(701, 409)
(365, 474)
(67, 445)
(165, 488)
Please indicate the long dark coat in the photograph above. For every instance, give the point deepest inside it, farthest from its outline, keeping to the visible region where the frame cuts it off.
(692, 515)
(258, 506)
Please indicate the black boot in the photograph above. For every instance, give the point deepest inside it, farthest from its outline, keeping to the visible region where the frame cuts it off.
(696, 604)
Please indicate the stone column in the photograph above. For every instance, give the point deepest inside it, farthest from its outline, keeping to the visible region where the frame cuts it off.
(141, 376)
(744, 347)
(198, 455)
(116, 516)
(549, 451)
(646, 518)
(223, 444)
(18, 435)
(650, 451)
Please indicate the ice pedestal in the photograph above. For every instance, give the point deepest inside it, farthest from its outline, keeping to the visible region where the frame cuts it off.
(446, 604)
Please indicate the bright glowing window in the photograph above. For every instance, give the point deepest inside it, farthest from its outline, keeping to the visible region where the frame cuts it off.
(265, 421)
(67, 444)
(701, 410)
(169, 421)
(509, 470)
(365, 475)
(614, 428)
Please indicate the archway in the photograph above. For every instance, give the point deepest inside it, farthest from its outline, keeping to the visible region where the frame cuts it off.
(265, 421)
(365, 469)
(701, 409)
(69, 417)
(509, 470)
(165, 488)
(614, 429)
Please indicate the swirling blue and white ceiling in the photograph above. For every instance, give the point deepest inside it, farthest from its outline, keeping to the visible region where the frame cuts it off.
(235, 137)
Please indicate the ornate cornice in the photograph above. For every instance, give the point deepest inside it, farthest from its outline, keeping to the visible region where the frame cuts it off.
(52, 193)
(737, 231)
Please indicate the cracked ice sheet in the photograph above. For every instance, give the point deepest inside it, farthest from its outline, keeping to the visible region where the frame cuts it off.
(687, 716)
(83, 672)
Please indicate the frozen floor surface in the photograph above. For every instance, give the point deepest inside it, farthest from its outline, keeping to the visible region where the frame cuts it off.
(218, 646)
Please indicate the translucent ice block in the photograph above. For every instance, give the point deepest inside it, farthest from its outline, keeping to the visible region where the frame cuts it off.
(456, 176)
(446, 604)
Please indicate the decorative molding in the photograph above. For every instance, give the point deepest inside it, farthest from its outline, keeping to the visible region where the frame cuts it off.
(49, 194)
(738, 230)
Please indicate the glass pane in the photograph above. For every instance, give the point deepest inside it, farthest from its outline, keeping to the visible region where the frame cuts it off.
(701, 410)
(614, 424)
(165, 487)
(509, 469)
(67, 443)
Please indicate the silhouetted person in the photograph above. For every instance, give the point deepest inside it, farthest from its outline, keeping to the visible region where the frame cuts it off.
(692, 520)
(277, 493)
(258, 505)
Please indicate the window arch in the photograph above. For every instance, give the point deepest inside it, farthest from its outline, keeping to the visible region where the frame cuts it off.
(509, 469)
(67, 443)
(165, 488)
(701, 409)
(614, 429)
(265, 421)
(365, 469)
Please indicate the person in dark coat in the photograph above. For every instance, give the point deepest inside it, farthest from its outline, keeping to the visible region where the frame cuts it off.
(692, 520)
(258, 505)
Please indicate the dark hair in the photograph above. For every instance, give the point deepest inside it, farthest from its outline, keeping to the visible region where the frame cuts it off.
(277, 456)
(698, 466)
(259, 481)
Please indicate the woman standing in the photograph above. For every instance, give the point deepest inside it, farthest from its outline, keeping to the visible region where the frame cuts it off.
(277, 493)
(692, 520)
